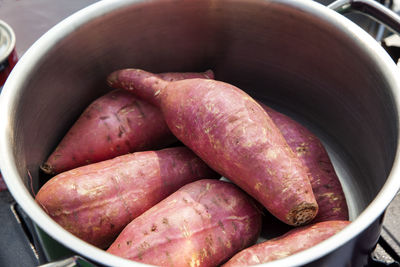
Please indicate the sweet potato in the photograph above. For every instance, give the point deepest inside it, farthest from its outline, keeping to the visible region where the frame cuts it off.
(125, 77)
(114, 124)
(290, 243)
(324, 181)
(233, 134)
(95, 202)
(204, 223)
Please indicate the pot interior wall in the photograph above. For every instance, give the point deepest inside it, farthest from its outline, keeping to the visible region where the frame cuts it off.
(300, 64)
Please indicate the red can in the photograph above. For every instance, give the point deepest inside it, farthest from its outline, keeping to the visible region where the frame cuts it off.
(8, 55)
(8, 59)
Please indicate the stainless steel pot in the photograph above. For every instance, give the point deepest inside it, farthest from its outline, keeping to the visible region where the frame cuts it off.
(298, 56)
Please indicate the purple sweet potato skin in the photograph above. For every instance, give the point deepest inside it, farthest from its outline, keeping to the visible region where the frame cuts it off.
(232, 133)
(324, 181)
(290, 243)
(113, 125)
(123, 79)
(95, 202)
(202, 224)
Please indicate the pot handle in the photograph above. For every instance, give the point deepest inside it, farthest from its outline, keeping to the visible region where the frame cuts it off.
(74, 261)
(372, 9)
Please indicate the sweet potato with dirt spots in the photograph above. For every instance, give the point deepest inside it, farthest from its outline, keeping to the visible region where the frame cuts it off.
(95, 202)
(232, 133)
(204, 223)
(290, 243)
(324, 181)
(114, 124)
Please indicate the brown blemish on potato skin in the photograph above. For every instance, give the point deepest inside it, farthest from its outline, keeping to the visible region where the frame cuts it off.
(169, 259)
(302, 149)
(205, 231)
(142, 249)
(221, 225)
(257, 186)
(302, 214)
(121, 131)
(165, 221)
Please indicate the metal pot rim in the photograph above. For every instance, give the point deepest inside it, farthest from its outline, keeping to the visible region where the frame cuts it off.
(18, 78)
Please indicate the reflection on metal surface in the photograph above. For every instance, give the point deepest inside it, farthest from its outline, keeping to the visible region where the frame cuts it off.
(370, 8)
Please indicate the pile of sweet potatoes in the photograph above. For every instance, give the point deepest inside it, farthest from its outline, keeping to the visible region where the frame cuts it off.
(139, 174)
